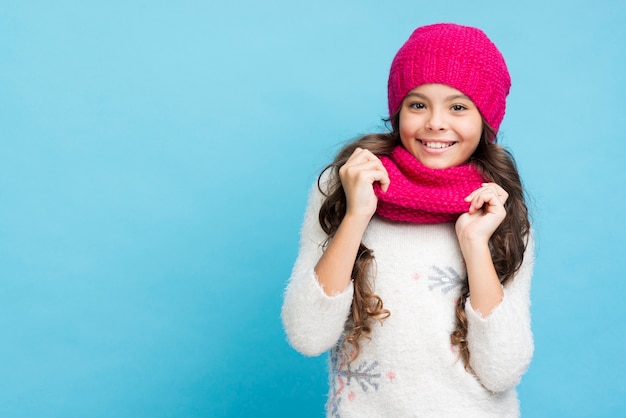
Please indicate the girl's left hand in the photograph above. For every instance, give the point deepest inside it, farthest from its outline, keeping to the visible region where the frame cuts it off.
(485, 214)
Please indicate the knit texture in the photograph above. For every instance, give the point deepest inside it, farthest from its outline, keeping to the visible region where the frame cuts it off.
(462, 57)
(408, 368)
(422, 194)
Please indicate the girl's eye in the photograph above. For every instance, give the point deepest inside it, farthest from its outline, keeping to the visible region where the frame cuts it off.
(417, 106)
(458, 108)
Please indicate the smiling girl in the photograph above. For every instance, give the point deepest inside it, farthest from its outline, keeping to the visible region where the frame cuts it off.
(416, 254)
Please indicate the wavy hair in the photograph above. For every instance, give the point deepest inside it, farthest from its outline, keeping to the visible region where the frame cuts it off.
(507, 244)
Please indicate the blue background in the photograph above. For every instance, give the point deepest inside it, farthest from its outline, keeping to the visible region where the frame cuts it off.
(155, 159)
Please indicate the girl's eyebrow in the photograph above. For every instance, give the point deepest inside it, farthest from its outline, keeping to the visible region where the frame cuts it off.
(457, 96)
(420, 95)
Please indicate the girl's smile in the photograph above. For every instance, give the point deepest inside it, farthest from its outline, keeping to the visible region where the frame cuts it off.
(439, 125)
(436, 144)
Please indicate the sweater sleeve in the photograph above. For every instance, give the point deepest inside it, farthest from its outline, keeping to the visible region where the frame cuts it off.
(313, 321)
(501, 344)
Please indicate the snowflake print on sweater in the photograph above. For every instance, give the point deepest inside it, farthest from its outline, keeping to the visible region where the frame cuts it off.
(362, 375)
(408, 369)
(445, 280)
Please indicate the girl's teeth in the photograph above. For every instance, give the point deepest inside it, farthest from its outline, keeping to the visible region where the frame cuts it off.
(437, 145)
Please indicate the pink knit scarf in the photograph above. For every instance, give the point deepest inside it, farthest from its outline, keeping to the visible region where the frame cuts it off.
(421, 194)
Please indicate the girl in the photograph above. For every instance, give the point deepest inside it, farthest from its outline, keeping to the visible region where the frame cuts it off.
(416, 254)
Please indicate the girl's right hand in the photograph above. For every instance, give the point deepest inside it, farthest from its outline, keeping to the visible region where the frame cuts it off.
(358, 175)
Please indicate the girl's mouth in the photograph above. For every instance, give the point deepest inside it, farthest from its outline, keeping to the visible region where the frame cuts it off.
(436, 145)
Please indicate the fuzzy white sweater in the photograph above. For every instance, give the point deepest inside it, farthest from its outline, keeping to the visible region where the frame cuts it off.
(409, 368)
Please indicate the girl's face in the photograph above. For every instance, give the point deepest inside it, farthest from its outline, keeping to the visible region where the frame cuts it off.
(439, 125)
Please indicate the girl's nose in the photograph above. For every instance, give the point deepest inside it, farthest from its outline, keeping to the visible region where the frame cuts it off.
(436, 121)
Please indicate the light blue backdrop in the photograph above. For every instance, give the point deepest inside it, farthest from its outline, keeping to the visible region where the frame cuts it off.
(155, 158)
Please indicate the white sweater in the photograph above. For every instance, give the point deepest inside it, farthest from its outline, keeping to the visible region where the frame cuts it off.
(409, 367)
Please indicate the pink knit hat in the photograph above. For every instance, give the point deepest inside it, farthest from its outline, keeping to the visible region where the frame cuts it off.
(459, 56)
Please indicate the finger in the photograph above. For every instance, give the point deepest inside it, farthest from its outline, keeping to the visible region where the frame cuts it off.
(475, 193)
(374, 175)
(475, 204)
(384, 180)
(362, 160)
(364, 173)
(354, 167)
(500, 192)
(470, 196)
(495, 188)
(380, 172)
(486, 196)
(362, 154)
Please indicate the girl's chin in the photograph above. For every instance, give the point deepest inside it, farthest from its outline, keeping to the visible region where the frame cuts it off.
(435, 162)
(440, 160)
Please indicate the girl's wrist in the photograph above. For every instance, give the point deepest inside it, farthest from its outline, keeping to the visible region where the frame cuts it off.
(357, 220)
(474, 245)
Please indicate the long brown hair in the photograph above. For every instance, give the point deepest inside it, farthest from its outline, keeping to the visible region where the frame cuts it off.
(507, 243)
